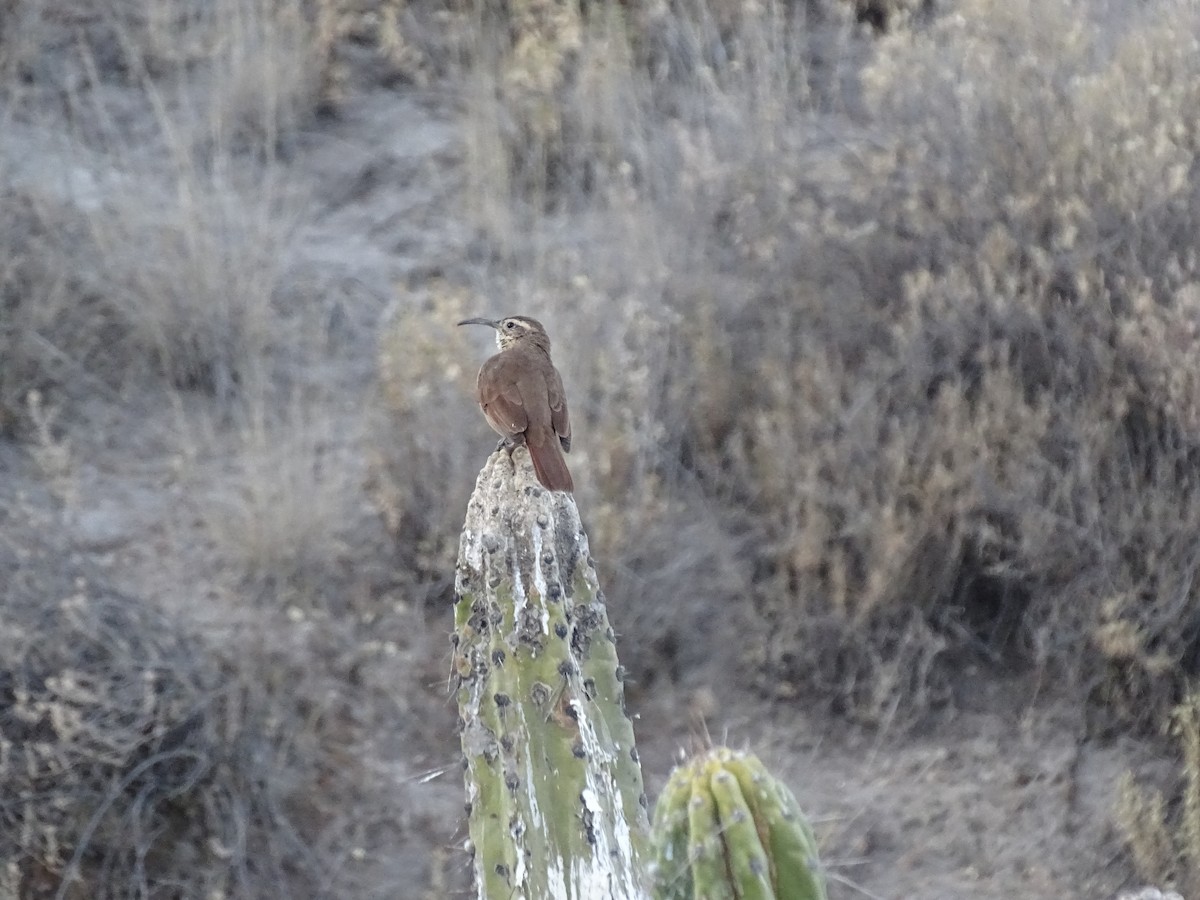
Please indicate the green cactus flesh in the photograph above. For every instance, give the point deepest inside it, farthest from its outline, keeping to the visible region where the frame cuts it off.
(555, 801)
(725, 829)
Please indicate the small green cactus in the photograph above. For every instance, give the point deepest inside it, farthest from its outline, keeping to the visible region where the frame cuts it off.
(726, 829)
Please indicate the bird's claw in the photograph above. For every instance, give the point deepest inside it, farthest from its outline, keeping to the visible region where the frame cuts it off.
(508, 444)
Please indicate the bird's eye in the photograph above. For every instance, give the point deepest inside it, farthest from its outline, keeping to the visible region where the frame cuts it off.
(510, 324)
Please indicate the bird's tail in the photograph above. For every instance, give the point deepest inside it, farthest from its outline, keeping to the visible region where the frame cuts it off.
(549, 464)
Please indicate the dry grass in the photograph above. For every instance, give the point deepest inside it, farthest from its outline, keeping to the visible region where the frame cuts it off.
(142, 249)
(147, 213)
(192, 280)
(132, 758)
(144, 754)
(1164, 837)
(137, 759)
(422, 466)
(881, 345)
(932, 375)
(51, 334)
(286, 504)
(197, 744)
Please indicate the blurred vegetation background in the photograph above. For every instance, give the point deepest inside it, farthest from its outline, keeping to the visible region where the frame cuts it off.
(878, 320)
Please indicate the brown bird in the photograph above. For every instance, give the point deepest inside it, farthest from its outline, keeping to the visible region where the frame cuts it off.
(521, 395)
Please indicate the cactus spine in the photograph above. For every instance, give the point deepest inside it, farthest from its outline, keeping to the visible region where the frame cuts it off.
(725, 829)
(555, 802)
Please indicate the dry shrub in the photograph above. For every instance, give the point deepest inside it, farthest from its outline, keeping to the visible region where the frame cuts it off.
(428, 444)
(54, 332)
(252, 71)
(931, 375)
(992, 461)
(890, 15)
(568, 101)
(283, 511)
(1033, 118)
(247, 70)
(150, 237)
(985, 478)
(1141, 816)
(267, 67)
(396, 45)
(19, 38)
(178, 116)
(278, 62)
(134, 759)
(191, 279)
(143, 753)
(1164, 837)
(523, 64)
(1066, 198)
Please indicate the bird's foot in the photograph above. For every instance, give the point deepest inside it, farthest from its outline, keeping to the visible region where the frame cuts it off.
(508, 445)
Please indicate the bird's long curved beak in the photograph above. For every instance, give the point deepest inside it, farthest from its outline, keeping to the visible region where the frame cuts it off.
(492, 322)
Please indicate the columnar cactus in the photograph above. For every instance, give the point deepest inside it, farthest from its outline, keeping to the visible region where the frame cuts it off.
(725, 829)
(555, 802)
(554, 789)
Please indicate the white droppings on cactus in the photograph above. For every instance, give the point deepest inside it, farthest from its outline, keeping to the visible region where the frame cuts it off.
(536, 821)
(587, 731)
(477, 739)
(605, 873)
(519, 598)
(539, 578)
(472, 553)
(590, 878)
(590, 801)
(601, 797)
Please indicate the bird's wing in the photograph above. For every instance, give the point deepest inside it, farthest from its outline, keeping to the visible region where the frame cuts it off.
(533, 389)
(560, 419)
(500, 398)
